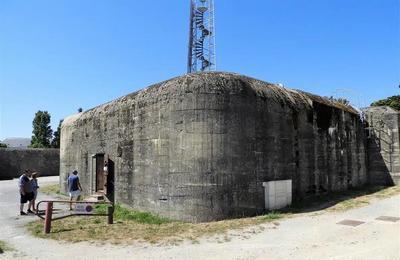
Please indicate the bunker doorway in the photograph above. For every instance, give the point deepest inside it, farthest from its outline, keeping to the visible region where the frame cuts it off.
(104, 178)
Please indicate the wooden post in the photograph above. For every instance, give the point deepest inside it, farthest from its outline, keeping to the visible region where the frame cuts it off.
(47, 219)
(110, 212)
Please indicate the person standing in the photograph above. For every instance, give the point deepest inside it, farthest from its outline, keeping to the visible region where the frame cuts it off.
(35, 187)
(74, 187)
(26, 191)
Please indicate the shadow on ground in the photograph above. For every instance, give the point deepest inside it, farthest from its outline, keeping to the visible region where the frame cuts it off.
(328, 200)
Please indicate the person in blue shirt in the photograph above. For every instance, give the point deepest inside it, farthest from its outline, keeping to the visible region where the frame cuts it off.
(74, 188)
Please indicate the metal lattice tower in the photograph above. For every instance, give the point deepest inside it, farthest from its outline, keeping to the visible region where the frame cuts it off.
(201, 55)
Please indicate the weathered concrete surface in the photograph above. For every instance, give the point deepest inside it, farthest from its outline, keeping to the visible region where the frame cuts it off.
(383, 145)
(14, 161)
(199, 147)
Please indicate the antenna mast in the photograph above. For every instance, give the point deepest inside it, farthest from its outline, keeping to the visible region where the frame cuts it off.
(201, 56)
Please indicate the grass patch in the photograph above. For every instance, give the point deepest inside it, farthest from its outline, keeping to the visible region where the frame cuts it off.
(124, 214)
(4, 247)
(53, 189)
(131, 225)
(273, 216)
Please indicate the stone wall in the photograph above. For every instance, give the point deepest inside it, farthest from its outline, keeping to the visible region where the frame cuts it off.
(14, 161)
(383, 145)
(199, 147)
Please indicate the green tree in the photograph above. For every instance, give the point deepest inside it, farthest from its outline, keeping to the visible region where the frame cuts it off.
(41, 130)
(3, 145)
(55, 143)
(393, 102)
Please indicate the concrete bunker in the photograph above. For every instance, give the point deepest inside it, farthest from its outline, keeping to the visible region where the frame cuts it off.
(199, 147)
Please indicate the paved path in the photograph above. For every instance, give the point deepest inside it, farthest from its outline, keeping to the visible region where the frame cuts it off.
(308, 236)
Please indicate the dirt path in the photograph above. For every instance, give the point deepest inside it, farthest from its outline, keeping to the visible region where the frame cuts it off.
(308, 236)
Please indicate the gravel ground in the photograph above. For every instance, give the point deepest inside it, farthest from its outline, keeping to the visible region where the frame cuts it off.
(309, 236)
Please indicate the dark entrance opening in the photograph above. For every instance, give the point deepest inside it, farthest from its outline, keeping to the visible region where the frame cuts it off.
(105, 176)
(110, 180)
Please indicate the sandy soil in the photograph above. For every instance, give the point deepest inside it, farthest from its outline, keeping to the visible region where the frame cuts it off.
(309, 236)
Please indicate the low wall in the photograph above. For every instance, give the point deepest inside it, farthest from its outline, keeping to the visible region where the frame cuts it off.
(14, 161)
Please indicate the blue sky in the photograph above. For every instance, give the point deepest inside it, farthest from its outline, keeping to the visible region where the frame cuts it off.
(65, 54)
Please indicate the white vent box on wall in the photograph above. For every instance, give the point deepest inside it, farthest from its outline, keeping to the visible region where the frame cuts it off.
(278, 194)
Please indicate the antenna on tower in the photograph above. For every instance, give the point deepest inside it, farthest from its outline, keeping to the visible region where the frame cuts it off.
(201, 56)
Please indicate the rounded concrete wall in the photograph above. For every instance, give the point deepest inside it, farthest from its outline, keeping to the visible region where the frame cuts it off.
(198, 147)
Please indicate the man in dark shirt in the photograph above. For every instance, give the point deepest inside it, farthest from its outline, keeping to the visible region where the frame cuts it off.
(74, 188)
(25, 191)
